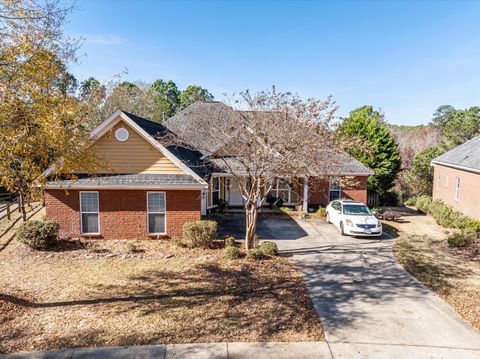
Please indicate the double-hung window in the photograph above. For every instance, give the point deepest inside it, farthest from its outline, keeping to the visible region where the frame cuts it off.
(334, 192)
(156, 212)
(89, 213)
(457, 188)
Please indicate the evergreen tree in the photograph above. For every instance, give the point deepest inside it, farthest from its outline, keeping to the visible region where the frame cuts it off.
(378, 151)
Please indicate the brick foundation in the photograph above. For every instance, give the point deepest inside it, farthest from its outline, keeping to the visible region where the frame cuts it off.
(123, 213)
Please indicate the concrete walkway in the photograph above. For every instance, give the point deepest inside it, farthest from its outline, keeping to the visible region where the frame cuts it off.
(310, 350)
(370, 307)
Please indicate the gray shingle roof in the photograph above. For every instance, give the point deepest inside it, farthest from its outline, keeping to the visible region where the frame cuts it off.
(149, 179)
(466, 155)
(189, 125)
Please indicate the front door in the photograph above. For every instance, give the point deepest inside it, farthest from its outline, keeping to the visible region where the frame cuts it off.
(233, 192)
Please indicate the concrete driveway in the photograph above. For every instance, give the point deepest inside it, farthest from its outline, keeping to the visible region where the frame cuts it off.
(369, 305)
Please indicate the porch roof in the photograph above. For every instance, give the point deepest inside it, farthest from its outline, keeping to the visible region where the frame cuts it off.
(138, 180)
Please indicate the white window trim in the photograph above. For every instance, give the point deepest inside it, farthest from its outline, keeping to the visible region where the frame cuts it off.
(276, 189)
(81, 212)
(457, 188)
(165, 213)
(330, 184)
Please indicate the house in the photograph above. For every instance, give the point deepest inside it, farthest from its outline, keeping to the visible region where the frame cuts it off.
(147, 188)
(457, 178)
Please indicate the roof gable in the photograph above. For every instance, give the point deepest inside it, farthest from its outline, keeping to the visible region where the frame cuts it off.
(466, 156)
(148, 130)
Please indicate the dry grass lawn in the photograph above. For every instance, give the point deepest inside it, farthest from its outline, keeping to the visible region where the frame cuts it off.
(114, 293)
(454, 274)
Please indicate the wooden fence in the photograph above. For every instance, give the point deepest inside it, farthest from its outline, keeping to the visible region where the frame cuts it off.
(12, 204)
(372, 198)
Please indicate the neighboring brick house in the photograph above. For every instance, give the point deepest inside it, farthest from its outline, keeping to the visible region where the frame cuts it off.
(457, 178)
(149, 189)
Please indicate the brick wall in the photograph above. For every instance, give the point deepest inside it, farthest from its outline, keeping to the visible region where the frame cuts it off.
(469, 192)
(122, 212)
(319, 191)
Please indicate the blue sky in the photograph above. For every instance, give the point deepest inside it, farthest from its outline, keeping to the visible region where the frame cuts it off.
(406, 58)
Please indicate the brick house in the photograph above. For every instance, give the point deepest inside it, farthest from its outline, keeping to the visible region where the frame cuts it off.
(457, 178)
(149, 189)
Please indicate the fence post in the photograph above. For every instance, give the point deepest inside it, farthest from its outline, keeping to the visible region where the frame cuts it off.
(18, 205)
(8, 211)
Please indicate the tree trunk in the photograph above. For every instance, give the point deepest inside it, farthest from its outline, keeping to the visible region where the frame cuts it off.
(22, 207)
(251, 212)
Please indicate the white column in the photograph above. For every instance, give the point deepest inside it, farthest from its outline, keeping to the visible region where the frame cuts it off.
(203, 202)
(305, 195)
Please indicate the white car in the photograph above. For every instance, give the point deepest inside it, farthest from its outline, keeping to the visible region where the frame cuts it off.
(353, 218)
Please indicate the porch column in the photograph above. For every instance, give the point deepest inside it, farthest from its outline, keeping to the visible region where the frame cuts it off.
(305, 195)
(203, 202)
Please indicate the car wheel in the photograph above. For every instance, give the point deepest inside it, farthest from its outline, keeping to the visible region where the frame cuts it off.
(328, 218)
(341, 229)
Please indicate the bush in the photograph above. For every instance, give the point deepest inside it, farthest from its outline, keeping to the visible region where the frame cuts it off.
(255, 253)
(269, 248)
(230, 241)
(460, 239)
(410, 201)
(179, 243)
(200, 233)
(321, 212)
(232, 252)
(445, 215)
(423, 203)
(286, 210)
(39, 235)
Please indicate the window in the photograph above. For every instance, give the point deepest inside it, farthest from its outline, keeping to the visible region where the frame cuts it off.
(156, 212)
(121, 134)
(282, 190)
(335, 192)
(215, 190)
(89, 219)
(457, 188)
(446, 180)
(438, 180)
(336, 206)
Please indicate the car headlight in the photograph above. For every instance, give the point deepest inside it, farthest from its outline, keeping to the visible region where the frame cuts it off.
(349, 223)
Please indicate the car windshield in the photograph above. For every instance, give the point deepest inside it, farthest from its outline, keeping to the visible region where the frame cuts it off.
(355, 210)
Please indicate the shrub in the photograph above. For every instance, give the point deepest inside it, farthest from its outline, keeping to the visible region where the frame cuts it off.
(232, 252)
(460, 239)
(321, 212)
(200, 233)
(179, 243)
(286, 210)
(255, 253)
(423, 203)
(269, 248)
(230, 241)
(412, 201)
(39, 235)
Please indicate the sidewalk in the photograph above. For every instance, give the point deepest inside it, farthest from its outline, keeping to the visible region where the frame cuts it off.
(307, 350)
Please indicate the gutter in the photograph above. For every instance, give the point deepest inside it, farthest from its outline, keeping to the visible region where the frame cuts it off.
(463, 168)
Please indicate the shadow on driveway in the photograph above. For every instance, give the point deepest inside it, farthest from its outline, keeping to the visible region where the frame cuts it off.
(269, 227)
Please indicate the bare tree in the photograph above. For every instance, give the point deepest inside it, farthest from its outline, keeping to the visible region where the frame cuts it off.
(262, 138)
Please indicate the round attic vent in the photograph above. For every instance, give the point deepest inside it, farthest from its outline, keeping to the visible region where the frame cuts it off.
(121, 134)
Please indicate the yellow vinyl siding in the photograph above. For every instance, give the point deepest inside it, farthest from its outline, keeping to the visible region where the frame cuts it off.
(135, 155)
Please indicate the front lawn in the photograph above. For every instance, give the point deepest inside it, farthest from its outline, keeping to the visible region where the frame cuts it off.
(452, 273)
(147, 292)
